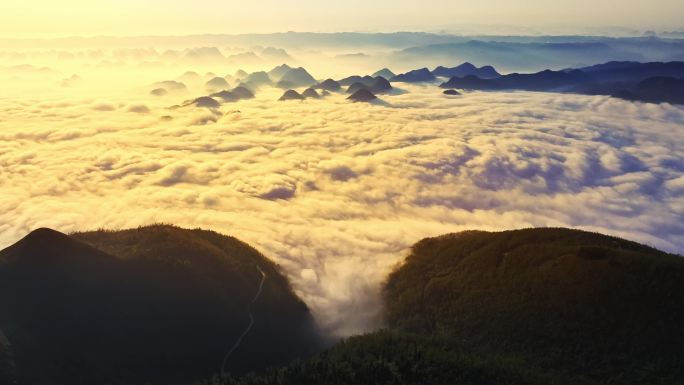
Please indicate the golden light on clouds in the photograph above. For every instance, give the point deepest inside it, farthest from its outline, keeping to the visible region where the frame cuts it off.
(324, 186)
(100, 132)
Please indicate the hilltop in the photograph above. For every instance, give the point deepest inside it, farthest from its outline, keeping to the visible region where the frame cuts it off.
(583, 303)
(156, 304)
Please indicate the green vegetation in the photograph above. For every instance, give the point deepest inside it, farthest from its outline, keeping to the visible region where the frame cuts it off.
(394, 358)
(525, 307)
(157, 304)
(578, 302)
(536, 306)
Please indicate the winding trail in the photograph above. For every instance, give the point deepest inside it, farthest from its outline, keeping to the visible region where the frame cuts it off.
(249, 327)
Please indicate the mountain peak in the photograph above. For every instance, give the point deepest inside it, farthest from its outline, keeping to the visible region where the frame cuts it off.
(466, 69)
(175, 297)
(43, 238)
(362, 95)
(281, 67)
(243, 92)
(385, 73)
(415, 76)
(330, 85)
(45, 244)
(296, 77)
(311, 93)
(277, 72)
(205, 102)
(291, 95)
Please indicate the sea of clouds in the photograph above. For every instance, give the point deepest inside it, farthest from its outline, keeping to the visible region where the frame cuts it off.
(337, 192)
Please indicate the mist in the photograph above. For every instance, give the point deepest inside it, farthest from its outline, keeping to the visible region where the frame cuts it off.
(335, 192)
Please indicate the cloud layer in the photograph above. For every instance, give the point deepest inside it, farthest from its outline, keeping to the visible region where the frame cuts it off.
(336, 192)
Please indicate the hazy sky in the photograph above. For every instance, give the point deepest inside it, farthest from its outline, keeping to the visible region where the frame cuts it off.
(50, 18)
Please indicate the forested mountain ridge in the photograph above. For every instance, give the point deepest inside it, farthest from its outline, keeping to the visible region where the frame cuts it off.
(157, 304)
(583, 302)
(533, 306)
(522, 307)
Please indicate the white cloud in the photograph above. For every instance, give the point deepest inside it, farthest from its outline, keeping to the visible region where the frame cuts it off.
(336, 192)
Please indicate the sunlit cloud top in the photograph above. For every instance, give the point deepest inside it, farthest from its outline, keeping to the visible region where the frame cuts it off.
(48, 18)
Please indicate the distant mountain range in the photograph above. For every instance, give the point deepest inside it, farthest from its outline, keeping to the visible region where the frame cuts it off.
(209, 101)
(171, 85)
(329, 85)
(237, 94)
(655, 90)
(467, 69)
(654, 82)
(291, 95)
(155, 304)
(276, 54)
(374, 85)
(385, 73)
(336, 39)
(528, 54)
(649, 82)
(415, 76)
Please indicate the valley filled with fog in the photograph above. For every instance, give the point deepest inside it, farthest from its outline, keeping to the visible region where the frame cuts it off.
(335, 192)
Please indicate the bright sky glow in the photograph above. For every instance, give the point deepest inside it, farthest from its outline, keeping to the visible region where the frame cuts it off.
(49, 18)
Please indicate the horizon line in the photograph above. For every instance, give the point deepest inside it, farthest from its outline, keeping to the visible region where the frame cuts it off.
(636, 34)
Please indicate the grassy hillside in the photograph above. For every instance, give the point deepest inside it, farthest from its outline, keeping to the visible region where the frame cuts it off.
(585, 303)
(156, 304)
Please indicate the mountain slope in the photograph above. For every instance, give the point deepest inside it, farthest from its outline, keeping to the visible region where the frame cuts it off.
(296, 77)
(647, 82)
(586, 303)
(656, 90)
(634, 72)
(156, 304)
(559, 81)
(257, 79)
(291, 95)
(534, 306)
(377, 85)
(415, 76)
(356, 79)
